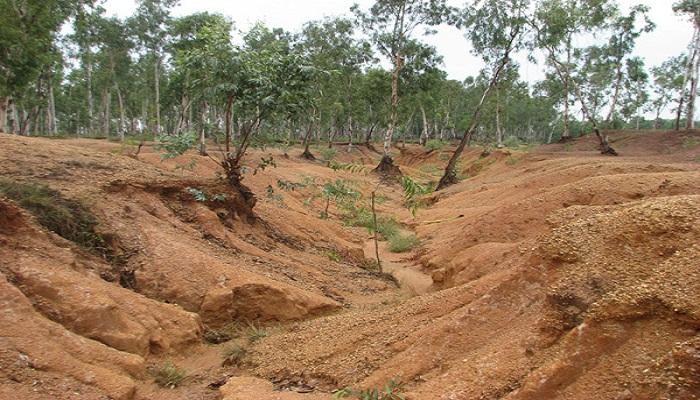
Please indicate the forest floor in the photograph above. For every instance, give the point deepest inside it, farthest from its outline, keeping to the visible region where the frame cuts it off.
(548, 273)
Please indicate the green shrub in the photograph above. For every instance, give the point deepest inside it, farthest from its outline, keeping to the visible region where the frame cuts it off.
(233, 354)
(69, 219)
(435, 145)
(169, 375)
(512, 142)
(391, 391)
(400, 243)
(255, 333)
(690, 143)
(327, 154)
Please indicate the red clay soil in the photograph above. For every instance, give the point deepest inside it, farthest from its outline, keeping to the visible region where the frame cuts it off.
(557, 274)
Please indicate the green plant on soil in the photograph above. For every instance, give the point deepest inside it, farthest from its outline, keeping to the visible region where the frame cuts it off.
(69, 219)
(169, 375)
(401, 243)
(391, 391)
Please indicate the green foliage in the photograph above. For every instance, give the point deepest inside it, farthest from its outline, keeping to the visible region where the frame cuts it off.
(400, 243)
(511, 142)
(289, 186)
(435, 145)
(334, 256)
(691, 143)
(169, 375)
(233, 354)
(69, 219)
(254, 332)
(340, 191)
(327, 154)
(173, 146)
(203, 197)
(392, 391)
(412, 191)
(265, 163)
(353, 168)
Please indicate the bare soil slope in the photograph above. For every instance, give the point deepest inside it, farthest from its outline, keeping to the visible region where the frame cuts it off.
(557, 274)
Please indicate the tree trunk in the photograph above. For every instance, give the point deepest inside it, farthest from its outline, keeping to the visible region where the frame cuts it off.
(157, 84)
(90, 100)
(229, 112)
(424, 134)
(51, 111)
(566, 135)
(679, 112)
(690, 117)
(450, 176)
(499, 131)
(394, 106)
(122, 116)
(4, 108)
(108, 112)
(613, 104)
(202, 133)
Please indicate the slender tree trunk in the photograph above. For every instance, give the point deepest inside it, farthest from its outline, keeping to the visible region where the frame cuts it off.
(679, 113)
(450, 176)
(90, 100)
(202, 130)
(229, 112)
(51, 111)
(398, 61)
(690, 121)
(613, 104)
(13, 116)
(424, 134)
(566, 135)
(499, 131)
(122, 116)
(4, 108)
(108, 113)
(157, 87)
(370, 132)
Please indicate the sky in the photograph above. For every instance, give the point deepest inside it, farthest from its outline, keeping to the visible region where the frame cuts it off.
(671, 37)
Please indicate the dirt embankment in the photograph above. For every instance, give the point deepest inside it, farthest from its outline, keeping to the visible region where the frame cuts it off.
(557, 274)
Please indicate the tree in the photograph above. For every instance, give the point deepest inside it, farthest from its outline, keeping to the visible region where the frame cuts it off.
(261, 78)
(150, 26)
(390, 25)
(27, 30)
(667, 82)
(496, 29)
(559, 22)
(691, 8)
(621, 44)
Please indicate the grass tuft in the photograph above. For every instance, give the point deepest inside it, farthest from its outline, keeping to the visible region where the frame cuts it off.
(169, 375)
(400, 243)
(69, 219)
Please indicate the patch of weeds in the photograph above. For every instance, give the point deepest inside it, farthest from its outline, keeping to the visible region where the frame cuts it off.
(213, 336)
(254, 333)
(391, 391)
(353, 168)
(289, 186)
(401, 243)
(202, 196)
(690, 143)
(362, 217)
(697, 159)
(435, 145)
(327, 155)
(444, 157)
(512, 142)
(568, 147)
(233, 354)
(169, 375)
(69, 219)
(172, 146)
(510, 161)
(334, 256)
(431, 169)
